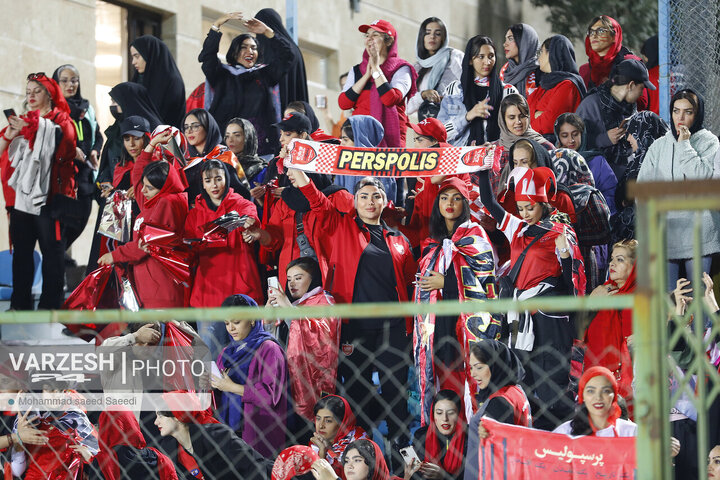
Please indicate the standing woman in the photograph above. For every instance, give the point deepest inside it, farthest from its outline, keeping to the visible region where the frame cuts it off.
(241, 139)
(89, 141)
(437, 66)
(521, 46)
(470, 107)
(598, 412)
(370, 262)
(243, 86)
(552, 266)
(381, 83)
(684, 153)
(155, 68)
(561, 88)
(203, 134)
(32, 222)
(457, 264)
(293, 85)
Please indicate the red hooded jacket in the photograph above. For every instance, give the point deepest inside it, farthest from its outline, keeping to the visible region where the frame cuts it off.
(227, 269)
(347, 238)
(169, 208)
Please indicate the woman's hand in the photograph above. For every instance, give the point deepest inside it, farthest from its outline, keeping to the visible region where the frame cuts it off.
(161, 138)
(483, 433)
(561, 243)
(681, 295)
(633, 142)
(130, 194)
(431, 96)
(259, 28)
(322, 443)
(83, 451)
(277, 298)
(411, 468)
(603, 291)
(322, 470)
(277, 192)
(258, 192)
(683, 133)
(94, 159)
(79, 155)
(106, 192)
(106, 259)
(480, 110)
(27, 432)
(373, 57)
(432, 280)
(15, 124)
(297, 177)
(431, 471)
(228, 16)
(674, 447)
(709, 296)
(616, 134)
(225, 384)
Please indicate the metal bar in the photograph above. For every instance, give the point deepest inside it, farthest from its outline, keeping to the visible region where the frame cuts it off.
(664, 58)
(291, 19)
(699, 344)
(364, 310)
(684, 189)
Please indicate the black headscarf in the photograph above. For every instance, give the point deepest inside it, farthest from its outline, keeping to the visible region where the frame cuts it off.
(162, 79)
(472, 94)
(651, 49)
(78, 104)
(228, 179)
(293, 86)
(699, 115)
(212, 130)
(250, 162)
(134, 99)
(505, 367)
(310, 113)
(562, 63)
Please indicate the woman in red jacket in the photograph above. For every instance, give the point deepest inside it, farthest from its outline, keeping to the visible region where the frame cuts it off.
(561, 88)
(159, 191)
(42, 225)
(369, 262)
(379, 85)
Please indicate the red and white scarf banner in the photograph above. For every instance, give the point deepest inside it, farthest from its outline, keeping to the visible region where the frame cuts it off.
(332, 159)
(524, 453)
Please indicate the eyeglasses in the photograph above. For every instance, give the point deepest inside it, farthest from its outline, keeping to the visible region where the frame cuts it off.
(72, 81)
(37, 76)
(192, 127)
(600, 32)
(539, 51)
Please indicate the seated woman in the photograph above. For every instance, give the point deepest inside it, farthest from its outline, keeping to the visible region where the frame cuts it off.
(241, 139)
(204, 445)
(465, 273)
(442, 443)
(254, 382)
(498, 373)
(313, 343)
(362, 460)
(607, 335)
(598, 412)
(159, 192)
(561, 88)
(334, 430)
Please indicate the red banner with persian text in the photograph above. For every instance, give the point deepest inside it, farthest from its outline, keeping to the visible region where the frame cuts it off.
(332, 159)
(519, 453)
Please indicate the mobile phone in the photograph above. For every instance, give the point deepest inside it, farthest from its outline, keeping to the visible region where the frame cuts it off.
(9, 113)
(409, 454)
(624, 122)
(105, 185)
(273, 282)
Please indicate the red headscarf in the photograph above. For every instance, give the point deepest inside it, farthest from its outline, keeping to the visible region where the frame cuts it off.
(454, 458)
(53, 89)
(186, 407)
(348, 421)
(347, 433)
(600, 66)
(591, 373)
(122, 428)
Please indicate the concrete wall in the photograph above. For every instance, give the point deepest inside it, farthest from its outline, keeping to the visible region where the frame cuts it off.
(39, 35)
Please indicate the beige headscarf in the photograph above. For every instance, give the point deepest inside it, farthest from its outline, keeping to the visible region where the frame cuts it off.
(507, 138)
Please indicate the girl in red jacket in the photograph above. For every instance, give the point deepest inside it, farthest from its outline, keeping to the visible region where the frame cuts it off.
(229, 267)
(159, 193)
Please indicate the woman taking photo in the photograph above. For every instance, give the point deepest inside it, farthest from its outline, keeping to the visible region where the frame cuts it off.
(380, 84)
(313, 343)
(442, 443)
(370, 262)
(155, 69)
(561, 88)
(441, 343)
(437, 66)
(598, 412)
(521, 47)
(254, 382)
(684, 153)
(158, 190)
(32, 216)
(243, 87)
(335, 429)
(607, 335)
(470, 107)
(551, 265)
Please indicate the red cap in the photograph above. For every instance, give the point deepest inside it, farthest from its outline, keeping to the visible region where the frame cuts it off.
(430, 127)
(533, 184)
(457, 183)
(380, 26)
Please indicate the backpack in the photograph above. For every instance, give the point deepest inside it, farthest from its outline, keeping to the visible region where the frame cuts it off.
(592, 215)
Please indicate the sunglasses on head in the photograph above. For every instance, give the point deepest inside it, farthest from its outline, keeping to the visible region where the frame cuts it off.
(37, 76)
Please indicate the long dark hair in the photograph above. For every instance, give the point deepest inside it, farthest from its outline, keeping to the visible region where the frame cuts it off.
(472, 94)
(366, 450)
(422, 52)
(308, 265)
(448, 394)
(438, 228)
(157, 173)
(698, 106)
(332, 403)
(347, 130)
(125, 156)
(234, 49)
(580, 423)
